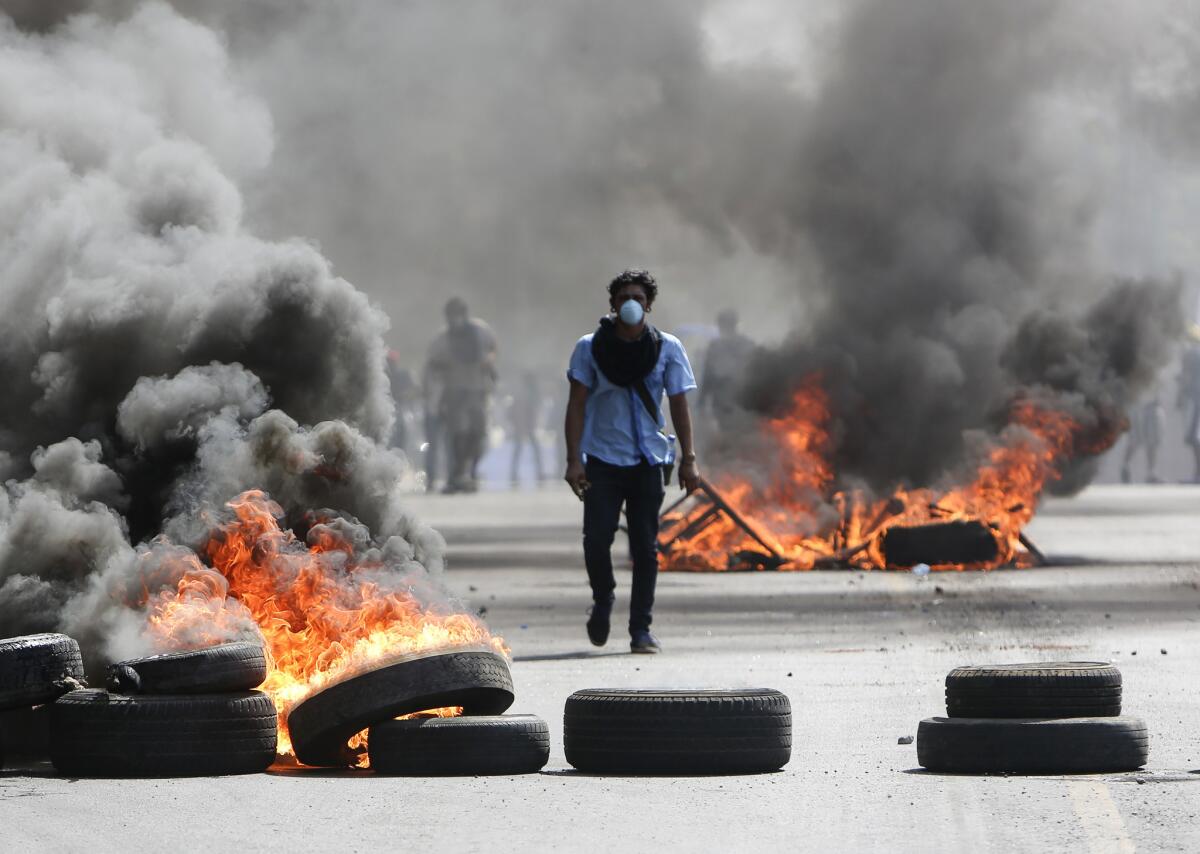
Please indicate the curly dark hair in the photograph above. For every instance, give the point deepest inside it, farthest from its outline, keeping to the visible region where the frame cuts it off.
(635, 276)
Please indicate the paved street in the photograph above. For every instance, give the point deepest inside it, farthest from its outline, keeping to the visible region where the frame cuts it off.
(862, 656)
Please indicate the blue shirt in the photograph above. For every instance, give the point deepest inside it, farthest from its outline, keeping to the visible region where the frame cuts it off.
(616, 426)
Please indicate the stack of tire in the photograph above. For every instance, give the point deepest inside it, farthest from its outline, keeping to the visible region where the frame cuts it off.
(181, 714)
(619, 731)
(482, 741)
(35, 670)
(1035, 718)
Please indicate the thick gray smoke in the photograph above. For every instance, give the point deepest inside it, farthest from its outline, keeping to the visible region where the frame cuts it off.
(945, 229)
(150, 346)
(914, 180)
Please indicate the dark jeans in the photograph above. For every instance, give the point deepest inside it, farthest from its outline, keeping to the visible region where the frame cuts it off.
(640, 489)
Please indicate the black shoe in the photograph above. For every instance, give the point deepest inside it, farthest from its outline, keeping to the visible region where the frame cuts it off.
(645, 643)
(598, 622)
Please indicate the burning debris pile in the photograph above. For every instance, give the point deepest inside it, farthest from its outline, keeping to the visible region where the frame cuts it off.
(191, 445)
(1064, 406)
(965, 342)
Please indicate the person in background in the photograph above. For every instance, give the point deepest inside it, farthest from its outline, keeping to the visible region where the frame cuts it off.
(618, 450)
(404, 396)
(1188, 399)
(460, 374)
(725, 364)
(525, 411)
(1146, 424)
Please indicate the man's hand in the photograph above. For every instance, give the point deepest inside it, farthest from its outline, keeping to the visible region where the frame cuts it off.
(689, 475)
(576, 478)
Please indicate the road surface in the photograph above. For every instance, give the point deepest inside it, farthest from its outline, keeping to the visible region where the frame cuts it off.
(862, 656)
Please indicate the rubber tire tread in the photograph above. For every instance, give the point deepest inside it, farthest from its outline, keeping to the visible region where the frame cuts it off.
(35, 669)
(224, 669)
(1055, 746)
(1033, 707)
(94, 733)
(320, 725)
(476, 746)
(1038, 689)
(677, 732)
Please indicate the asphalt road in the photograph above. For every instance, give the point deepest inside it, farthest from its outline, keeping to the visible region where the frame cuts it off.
(861, 655)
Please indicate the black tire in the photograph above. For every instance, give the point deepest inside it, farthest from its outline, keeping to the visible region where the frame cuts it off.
(485, 745)
(37, 668)
(224, 669)
(1051, 746)
(97, 734)
(678, 732)
(320, 726)
(1061, 689)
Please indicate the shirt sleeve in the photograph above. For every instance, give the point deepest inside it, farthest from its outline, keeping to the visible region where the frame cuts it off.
(581, 368)
(677, 375)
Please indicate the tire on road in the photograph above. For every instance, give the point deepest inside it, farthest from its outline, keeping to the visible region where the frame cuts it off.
(35, 669)
(484, 745)
(1045, 746)
(223, 669)
(321, 725)
(97, 734)
(678, 732)
(1063, 689)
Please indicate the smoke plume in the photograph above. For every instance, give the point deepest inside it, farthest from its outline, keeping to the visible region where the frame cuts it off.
(158, 358)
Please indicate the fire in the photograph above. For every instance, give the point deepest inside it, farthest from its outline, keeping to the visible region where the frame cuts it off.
(325, 612)
(797, 513)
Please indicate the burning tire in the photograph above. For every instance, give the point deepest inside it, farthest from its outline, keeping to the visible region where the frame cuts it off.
(221, 669)
(424, 747)
(94, 733)
(37, 668)
(1064, 689)
(678, 732)
(1070, 746)
(321, 725)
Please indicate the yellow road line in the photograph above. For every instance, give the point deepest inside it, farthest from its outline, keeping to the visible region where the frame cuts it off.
(1100, 818)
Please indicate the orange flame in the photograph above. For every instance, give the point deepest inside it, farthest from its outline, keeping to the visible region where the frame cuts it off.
(798, 514)
(324, 612)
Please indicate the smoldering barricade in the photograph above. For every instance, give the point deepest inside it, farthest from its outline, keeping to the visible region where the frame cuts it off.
(177, 385)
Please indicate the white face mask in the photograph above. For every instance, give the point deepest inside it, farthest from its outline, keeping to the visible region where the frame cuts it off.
(632, 312)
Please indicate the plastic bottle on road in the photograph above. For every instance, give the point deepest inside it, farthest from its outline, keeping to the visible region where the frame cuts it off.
(921, 571)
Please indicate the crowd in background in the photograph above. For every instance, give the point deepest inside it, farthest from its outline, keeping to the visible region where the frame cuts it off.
(458, 406)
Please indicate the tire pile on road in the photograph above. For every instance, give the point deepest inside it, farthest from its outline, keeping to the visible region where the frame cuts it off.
(482, 741)
(180, 714)
(189, 713)
(1036, 718)
(617, 731)
(37, 669)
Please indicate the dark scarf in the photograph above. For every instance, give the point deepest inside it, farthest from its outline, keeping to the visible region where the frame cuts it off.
(625, 362)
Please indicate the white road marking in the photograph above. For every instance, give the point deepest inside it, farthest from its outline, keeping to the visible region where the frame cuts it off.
(1100, 818)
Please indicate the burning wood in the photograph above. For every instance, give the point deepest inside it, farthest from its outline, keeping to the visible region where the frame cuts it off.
(796, 518)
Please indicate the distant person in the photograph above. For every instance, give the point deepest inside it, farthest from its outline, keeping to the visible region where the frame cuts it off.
(724, 367)
(1145, 434)
(524, 417)
(618, 452)
(1189, 397)
(460, 374)
(404, 396)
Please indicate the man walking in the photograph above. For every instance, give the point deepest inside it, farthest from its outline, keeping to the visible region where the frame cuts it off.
(460, 373)
(724, 369)
(617, 447)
